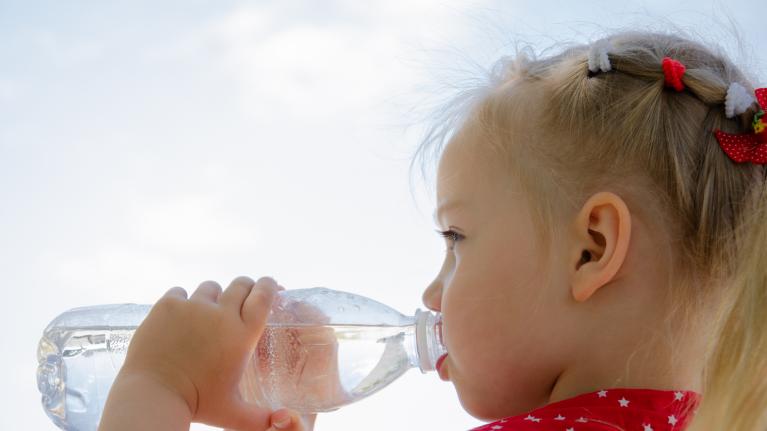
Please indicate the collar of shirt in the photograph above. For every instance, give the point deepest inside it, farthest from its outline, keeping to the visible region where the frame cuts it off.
(608, 409)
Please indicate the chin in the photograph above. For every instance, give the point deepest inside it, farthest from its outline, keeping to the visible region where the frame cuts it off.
(472, 403)
(475, 403)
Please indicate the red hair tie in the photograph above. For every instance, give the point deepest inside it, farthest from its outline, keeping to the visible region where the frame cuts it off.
(673, 71)
(748, 147)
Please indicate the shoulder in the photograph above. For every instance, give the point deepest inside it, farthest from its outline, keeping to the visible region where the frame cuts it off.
(559, 423)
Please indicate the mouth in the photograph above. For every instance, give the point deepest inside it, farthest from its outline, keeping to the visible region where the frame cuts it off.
(443, 374)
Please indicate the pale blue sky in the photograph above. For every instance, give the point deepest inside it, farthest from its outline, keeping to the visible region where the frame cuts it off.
(145, 145)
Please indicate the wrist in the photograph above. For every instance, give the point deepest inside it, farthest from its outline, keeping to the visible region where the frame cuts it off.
(140, 401)
(166, 386)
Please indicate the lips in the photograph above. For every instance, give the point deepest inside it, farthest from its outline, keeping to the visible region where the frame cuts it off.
(442, 371)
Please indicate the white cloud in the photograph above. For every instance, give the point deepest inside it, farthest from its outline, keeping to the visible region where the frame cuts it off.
(313, 70)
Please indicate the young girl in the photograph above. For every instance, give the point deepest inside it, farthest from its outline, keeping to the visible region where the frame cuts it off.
(606, 223)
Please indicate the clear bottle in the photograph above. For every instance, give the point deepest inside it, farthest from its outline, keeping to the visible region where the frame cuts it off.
(321, 349)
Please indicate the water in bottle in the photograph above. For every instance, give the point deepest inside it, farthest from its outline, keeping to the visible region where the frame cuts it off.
(321, 349)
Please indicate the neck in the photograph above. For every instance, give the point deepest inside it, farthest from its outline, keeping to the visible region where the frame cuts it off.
(649, 362)
(623, 369)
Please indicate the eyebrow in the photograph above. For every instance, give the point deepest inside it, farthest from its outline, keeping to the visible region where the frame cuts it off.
(444, 208)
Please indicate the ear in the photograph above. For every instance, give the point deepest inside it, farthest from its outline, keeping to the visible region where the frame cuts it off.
(602, 231)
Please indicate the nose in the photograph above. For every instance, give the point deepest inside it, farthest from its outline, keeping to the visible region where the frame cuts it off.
(432, 296)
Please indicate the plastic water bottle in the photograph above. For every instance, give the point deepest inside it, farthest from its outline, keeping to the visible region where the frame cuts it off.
(321, 349)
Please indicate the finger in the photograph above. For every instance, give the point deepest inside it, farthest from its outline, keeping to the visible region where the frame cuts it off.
(207, 291)
(258, 303)
(246, 416)
(308, 313)
(235, 294)
(268, 281)
(287, 420)
(175, 292)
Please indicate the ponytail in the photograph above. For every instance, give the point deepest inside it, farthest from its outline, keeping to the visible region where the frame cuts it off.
(735, 381)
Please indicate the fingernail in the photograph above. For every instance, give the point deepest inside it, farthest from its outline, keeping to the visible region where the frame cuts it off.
(281, 419)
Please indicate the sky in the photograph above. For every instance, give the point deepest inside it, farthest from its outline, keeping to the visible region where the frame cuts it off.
(146, 145)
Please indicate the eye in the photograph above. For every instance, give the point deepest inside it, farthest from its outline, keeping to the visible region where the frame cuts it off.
(452, 237)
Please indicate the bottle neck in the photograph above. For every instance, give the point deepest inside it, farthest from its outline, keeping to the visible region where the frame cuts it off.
(427, 345)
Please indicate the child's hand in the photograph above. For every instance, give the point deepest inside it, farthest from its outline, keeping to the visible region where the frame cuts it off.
(197, 349)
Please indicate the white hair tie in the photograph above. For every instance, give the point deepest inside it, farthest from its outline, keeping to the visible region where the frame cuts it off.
(737, 101)
(598, 59)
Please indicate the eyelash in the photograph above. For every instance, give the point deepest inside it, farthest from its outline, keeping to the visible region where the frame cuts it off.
(451, 235)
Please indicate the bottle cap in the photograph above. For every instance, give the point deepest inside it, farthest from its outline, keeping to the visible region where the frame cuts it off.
(428, 338)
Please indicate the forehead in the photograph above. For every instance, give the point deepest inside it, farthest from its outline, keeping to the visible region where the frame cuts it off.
(467, 173)
(457, 164)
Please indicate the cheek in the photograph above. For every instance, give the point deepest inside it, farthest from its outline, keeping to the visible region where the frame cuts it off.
(479, 316)
(502, 272)
(497, 316)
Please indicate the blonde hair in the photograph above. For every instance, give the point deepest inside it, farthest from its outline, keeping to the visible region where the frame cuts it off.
(565, 133)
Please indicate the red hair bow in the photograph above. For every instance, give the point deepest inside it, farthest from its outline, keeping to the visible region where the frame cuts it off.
(673, 71)
(748, 147)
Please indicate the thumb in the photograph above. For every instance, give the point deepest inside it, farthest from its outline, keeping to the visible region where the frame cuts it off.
(289, 420)
(243, 415)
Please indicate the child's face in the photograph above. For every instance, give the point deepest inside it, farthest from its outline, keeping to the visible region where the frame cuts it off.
(504, 320)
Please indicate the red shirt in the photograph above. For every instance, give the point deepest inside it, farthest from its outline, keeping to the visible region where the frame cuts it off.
(608, 410)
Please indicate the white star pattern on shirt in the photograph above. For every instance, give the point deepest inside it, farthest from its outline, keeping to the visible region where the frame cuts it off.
(532, 418)
(664, 404)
